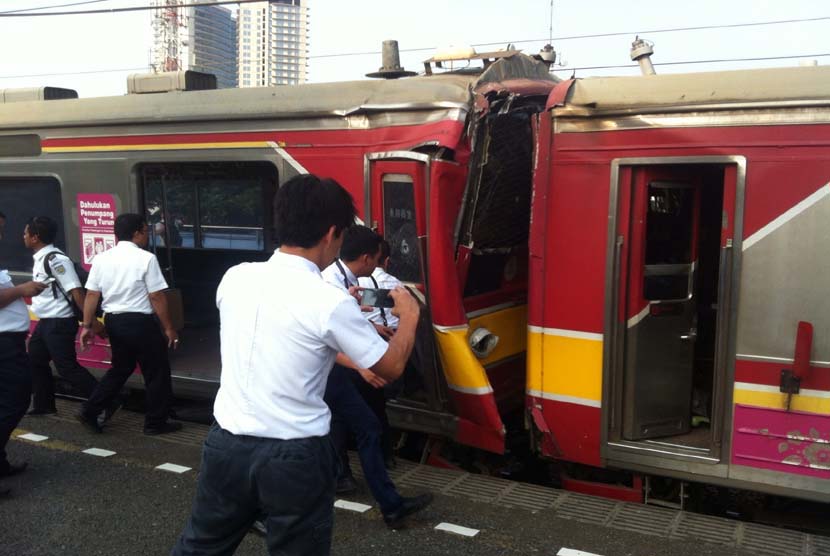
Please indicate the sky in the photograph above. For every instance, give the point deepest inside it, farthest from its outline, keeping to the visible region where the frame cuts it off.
(58, 50)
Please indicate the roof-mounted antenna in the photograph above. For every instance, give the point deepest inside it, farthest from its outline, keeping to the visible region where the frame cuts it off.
(391, 68)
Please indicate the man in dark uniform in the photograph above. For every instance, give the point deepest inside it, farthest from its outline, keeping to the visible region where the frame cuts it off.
(130, 281)
(15, 380)
(57, 309)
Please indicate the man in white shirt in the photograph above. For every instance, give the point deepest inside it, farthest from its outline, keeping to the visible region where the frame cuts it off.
(15, 380)
(57, 309)
(129, 280)
(282, 325)
(350, 412)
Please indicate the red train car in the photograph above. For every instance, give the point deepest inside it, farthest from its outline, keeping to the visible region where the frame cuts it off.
(679, 322)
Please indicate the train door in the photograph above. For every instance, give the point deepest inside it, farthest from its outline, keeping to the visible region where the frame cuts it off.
(396, 197)
(675, 225)
(205, 217)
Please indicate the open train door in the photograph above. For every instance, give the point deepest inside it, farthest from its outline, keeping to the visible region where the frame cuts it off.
(674, 231)
(395, 205)
(413, 202)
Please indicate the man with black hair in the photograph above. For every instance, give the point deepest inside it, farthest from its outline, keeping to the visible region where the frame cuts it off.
(129, 280)
(350, 413)
(53, 339)
(269, 454)
(15, 379)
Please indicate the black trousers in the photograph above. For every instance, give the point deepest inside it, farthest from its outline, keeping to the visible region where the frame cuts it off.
(15, 387)
(54, 340)
(351, 414)
(287, 483)
(375, 398)
(135, 338)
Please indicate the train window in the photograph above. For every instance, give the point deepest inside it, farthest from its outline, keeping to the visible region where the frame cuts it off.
(20, 199)
(219, 205)
(399, 227)
(231, 215)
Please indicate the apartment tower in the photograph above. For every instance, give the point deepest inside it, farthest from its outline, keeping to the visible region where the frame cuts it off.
(273, 43)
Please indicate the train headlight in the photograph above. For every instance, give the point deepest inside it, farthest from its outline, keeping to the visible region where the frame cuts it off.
(483, 342)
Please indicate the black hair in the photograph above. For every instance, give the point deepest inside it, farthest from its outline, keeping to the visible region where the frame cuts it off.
(43, 227)
(2, 215)
(127, 224)
(306, 207)
(385, 252)
(359, 240)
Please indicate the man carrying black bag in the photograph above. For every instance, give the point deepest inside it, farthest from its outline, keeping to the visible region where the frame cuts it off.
(58, 311)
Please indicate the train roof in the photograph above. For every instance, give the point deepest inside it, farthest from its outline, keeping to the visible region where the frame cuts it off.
(674, 92)
(319, 100)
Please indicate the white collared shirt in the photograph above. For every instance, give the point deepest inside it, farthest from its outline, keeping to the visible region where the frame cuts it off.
(387, 282)
(333, 275)
(51, 304)
(14, 317)
(281, 327)
(126, 275)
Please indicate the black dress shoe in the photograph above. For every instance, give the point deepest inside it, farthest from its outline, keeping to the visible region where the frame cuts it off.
(36, 412)
(346, 485)
(167, 427)
(12, 469)
(4, 492)
(395, 520)
(89, 423)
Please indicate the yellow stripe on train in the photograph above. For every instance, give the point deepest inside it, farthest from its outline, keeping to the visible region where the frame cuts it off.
(811, 401)
(565, 363)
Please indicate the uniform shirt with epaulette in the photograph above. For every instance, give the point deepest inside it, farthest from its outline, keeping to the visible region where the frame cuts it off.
(51, 304)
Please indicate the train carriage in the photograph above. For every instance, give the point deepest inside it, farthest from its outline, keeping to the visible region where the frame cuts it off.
(431, 162)
(679, 322)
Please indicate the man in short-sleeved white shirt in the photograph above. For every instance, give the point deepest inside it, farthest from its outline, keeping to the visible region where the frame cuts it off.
(15, 380)
(129, 281)
(57, 309)
(281, 327)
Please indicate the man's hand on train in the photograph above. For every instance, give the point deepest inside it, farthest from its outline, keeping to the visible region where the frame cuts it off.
(406, 306)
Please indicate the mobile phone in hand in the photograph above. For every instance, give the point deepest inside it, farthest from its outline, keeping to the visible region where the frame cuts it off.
(377, 298)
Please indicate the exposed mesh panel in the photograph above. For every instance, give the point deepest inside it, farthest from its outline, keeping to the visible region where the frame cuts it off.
(500, 218)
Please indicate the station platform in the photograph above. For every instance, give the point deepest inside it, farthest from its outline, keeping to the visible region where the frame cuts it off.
(495, 515)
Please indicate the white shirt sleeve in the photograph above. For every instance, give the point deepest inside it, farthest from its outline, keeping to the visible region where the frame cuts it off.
(64, 272)
(93, 281)
(153, 278)
(348, 332)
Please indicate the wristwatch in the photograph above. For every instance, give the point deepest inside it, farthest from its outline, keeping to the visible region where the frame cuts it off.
(87, 326)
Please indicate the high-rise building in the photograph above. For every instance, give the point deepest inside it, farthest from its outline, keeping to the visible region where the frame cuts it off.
(198, 38)
(273, 43)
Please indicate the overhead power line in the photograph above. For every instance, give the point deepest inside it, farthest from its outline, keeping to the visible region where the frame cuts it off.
(690, 62)
(565, 69)
(55, 6)
(123, 10)
(115, 70)
(598, 35)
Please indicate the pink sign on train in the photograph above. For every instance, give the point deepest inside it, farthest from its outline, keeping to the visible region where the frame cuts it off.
(96, 218)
